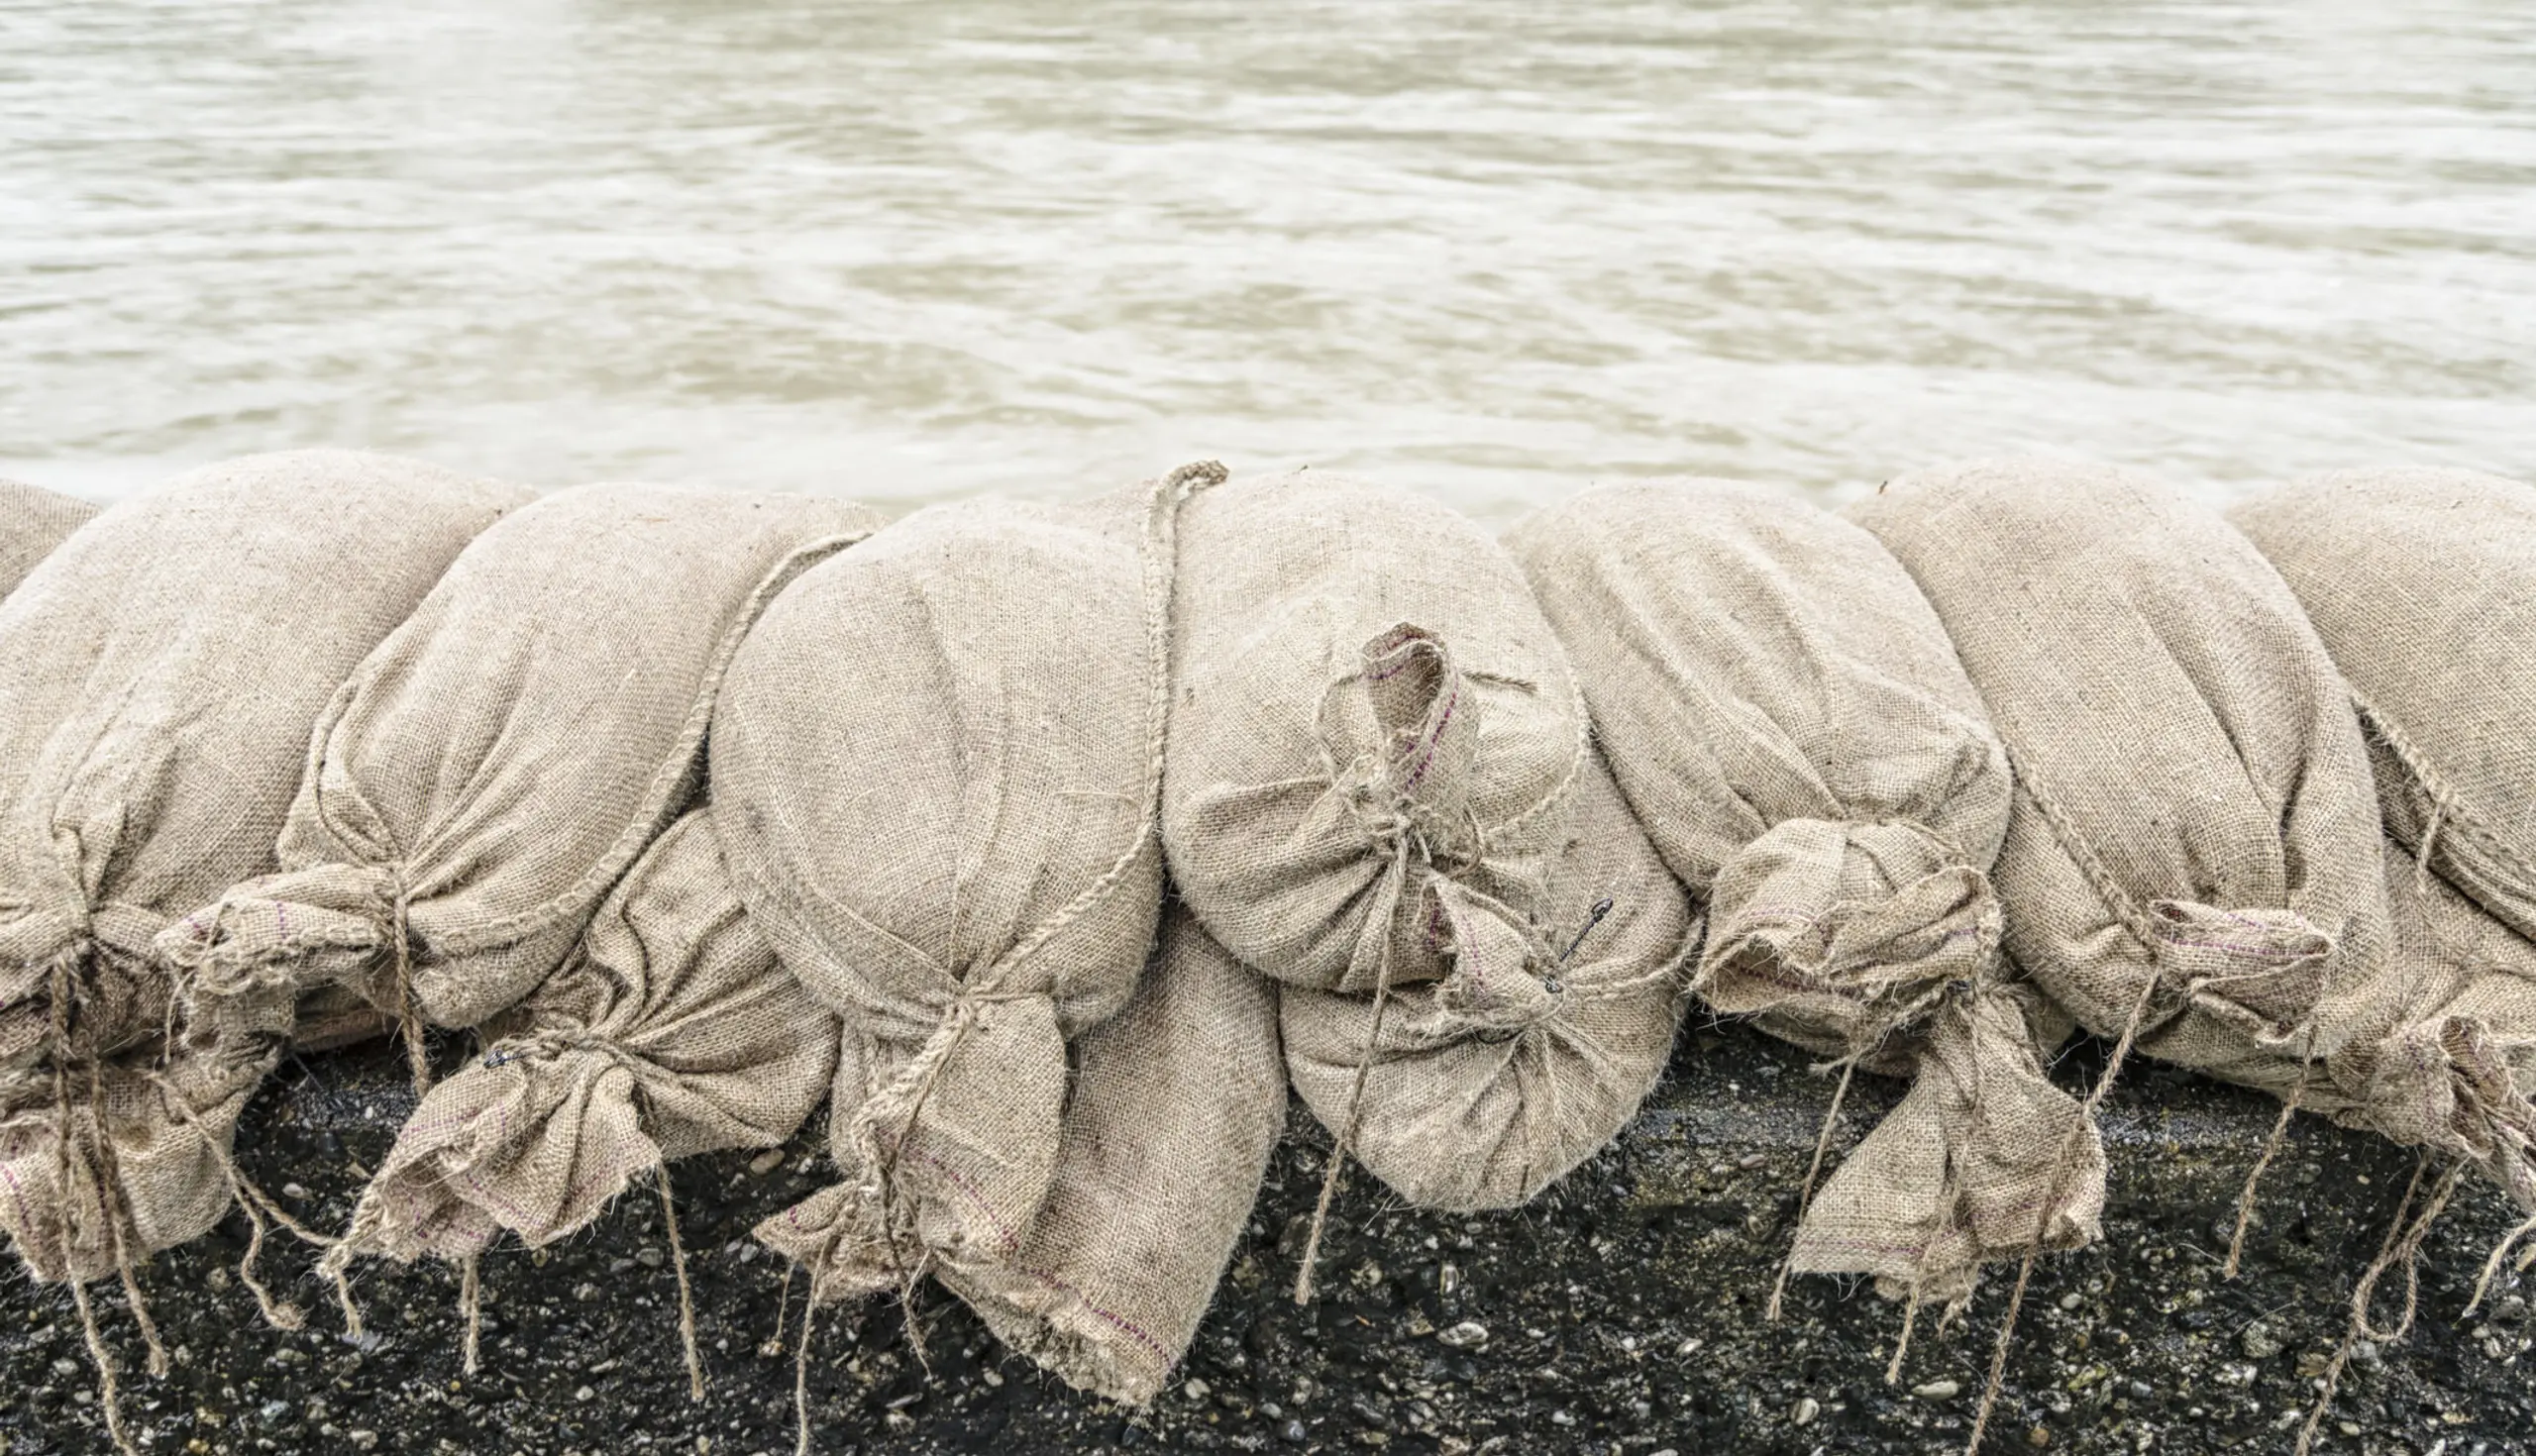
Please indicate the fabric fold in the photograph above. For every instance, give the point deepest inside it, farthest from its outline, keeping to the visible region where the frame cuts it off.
(672, 1031)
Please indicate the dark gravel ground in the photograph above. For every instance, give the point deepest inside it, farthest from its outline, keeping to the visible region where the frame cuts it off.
(1622, 1314)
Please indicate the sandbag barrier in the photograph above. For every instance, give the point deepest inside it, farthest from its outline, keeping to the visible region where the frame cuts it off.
(2015, 744)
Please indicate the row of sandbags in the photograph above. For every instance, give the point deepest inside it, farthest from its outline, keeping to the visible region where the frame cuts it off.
(304, 746)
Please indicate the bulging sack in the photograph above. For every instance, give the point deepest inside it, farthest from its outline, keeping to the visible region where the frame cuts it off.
(1178, 1101)
(497, 763)
(2194, 853)
(672, 1031)
(2422, 584)
(2453, 1073)
(32, 521)
(1375, 740)
(159, 674)
(935, 776)
(1784, 714)
(1482, 1089)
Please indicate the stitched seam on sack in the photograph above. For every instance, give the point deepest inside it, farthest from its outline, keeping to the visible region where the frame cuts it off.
(2454, 815)
(1120, 1320)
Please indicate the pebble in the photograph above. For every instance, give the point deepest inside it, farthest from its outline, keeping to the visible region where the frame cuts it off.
(1196, 1390)
(650, 1258)
(1750, 1161)
(765, 1162)
(2259, 1342)
(2071, 1301)
(1805, 1411)
(1293, 1432)
(586, 1393)
(364, 1441)
(1937, 1389)
(1561, 1417)
(1470, 1334)
(293, 1191)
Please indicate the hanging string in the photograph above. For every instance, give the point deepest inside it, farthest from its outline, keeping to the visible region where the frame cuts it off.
(409, 1016)
(1805, 1199)
(471, 1307)
(2402, 1242)
(1344, 1146)
(2271, 1149)
(685, 1298)
(802, 1374)
(2060, 1186)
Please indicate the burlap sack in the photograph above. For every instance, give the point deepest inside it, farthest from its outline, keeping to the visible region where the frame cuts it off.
(1484, 1088)
(2422, 584)
(1177, 1102)
(32, 521)
(159, 674)
(935, 776)
(2195, 845)
(1375, 739)
(672, 1031)
(1787, 719)
(2453, 1074)
(497, 765)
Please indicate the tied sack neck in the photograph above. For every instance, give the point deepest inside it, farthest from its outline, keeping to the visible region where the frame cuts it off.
(247, 958)
(947, 1163)
(1877, 944)
(2260, 972)
(1410, 797)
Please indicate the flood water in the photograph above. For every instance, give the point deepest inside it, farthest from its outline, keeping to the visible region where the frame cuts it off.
(1496, 251)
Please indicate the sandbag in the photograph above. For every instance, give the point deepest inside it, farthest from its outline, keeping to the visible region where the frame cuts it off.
(671, 1030)
(32, 521)
(497, 763)
(1784, 714)
(1484, 1088)
(1177, 1102)
(159, 674)
(1375, 740)
(2452, 1074)
(2422, 584)
(2194, 851)
(934, 777)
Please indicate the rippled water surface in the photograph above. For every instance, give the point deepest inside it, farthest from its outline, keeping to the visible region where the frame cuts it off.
(1496, 251)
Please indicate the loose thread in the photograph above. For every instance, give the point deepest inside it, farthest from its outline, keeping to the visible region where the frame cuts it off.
(2359, 1315)
(337, 1266)
(1902, 1346)
(1345, 1144)
(2271, 1149)
(118, 1215)
(886, 1166)
(2492, 1265)
(255, 1204)
(2043, 1219)
(782, 1296)
(409, 1018)
(1805, 1199)
(109, 1393)
(471, 1307)
(802, 1374)
(685, 1298)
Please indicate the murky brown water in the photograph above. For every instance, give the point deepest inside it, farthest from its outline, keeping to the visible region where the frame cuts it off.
(920, 249)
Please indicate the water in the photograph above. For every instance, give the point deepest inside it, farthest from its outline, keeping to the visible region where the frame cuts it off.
(910, 250)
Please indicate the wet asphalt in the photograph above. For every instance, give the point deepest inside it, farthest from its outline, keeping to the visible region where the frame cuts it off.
(1622, 1314)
